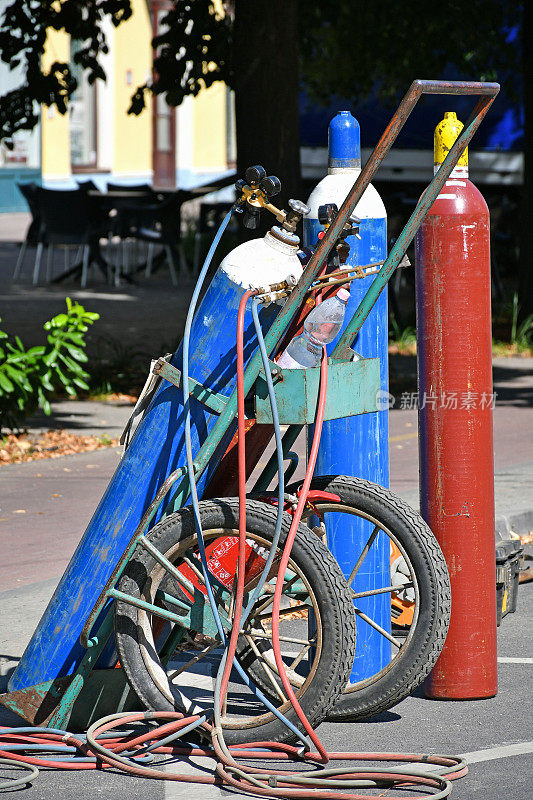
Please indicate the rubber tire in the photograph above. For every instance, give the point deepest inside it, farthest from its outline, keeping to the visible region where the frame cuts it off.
(428, 562)
(321, 571)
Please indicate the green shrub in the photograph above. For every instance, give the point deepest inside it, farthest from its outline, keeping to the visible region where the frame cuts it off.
(28, 378)
(521, 335)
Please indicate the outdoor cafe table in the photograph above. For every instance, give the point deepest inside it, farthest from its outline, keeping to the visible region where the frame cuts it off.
(120, 200)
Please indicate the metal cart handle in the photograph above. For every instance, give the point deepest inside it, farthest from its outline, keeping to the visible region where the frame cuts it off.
(487, 93)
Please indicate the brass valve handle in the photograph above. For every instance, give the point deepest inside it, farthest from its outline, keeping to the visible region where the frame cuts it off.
(255, 193)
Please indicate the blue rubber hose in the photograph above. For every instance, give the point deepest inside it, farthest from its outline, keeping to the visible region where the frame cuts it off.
(192, 481)
(279, 520)
(279, 454)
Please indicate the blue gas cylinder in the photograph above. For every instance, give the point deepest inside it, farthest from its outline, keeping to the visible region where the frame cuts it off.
(358, 445)
(156, 449)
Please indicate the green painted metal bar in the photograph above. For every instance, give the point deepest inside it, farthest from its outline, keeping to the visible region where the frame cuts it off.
(212, 400)
(144, 606)
(199, 616)
(271, 468)
(89, 660)
(165, 597)
(167, 565)
(175, 638)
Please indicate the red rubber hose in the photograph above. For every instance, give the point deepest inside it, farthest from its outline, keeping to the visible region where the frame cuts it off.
(290, 538)
(286, 555)
(275, 784)
(241, 558)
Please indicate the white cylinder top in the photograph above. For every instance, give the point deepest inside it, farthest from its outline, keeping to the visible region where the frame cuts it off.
(261, 262)
(334, 187)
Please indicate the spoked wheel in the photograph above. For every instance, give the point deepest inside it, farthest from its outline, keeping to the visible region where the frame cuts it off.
(172, 665)
(416, 589)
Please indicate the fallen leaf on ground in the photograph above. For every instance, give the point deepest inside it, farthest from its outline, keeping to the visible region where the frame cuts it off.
(17, 448)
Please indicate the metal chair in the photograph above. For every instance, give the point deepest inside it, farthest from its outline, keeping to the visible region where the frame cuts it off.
(141, 188)
(29, 192)
(145, 194)
(88, 186)
(66, 219)
(158, 224)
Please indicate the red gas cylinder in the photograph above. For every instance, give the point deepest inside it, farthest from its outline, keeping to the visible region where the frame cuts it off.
(455, 420)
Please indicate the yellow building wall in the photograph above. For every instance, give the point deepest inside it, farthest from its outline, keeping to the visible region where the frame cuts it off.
(130, 66)
(209, 115)
(132, 61)
(55, 140)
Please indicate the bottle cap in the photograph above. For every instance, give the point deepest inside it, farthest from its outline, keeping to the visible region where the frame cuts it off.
(446, 133)
(344, 142)
(343, 294)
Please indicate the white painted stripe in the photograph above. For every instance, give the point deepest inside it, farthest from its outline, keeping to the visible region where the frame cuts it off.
(445, 196)
(491, 753)
(506, 660)
(477, 756)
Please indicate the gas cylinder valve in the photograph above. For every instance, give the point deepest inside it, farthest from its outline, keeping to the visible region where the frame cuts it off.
(256, 192)
(297, 211)
(328, 212)
(340, 253)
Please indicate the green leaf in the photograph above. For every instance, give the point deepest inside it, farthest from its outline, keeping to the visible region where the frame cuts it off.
(36, 351)
(76, 353)
(75, 337)
(72, 365)
(43, 402)
(64, 380)
(18, 376)
(50, 358)
(58, 321)
(80, 383)
(15, 357)
(5, 383)
(45, 381)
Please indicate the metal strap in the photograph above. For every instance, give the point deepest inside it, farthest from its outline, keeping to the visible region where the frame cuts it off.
(159, 369)
(216, 402)
(145, 398)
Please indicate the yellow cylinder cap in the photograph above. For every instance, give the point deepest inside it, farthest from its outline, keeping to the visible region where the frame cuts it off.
(446, 133)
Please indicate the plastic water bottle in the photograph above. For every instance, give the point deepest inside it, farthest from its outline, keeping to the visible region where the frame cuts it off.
(320, 327)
